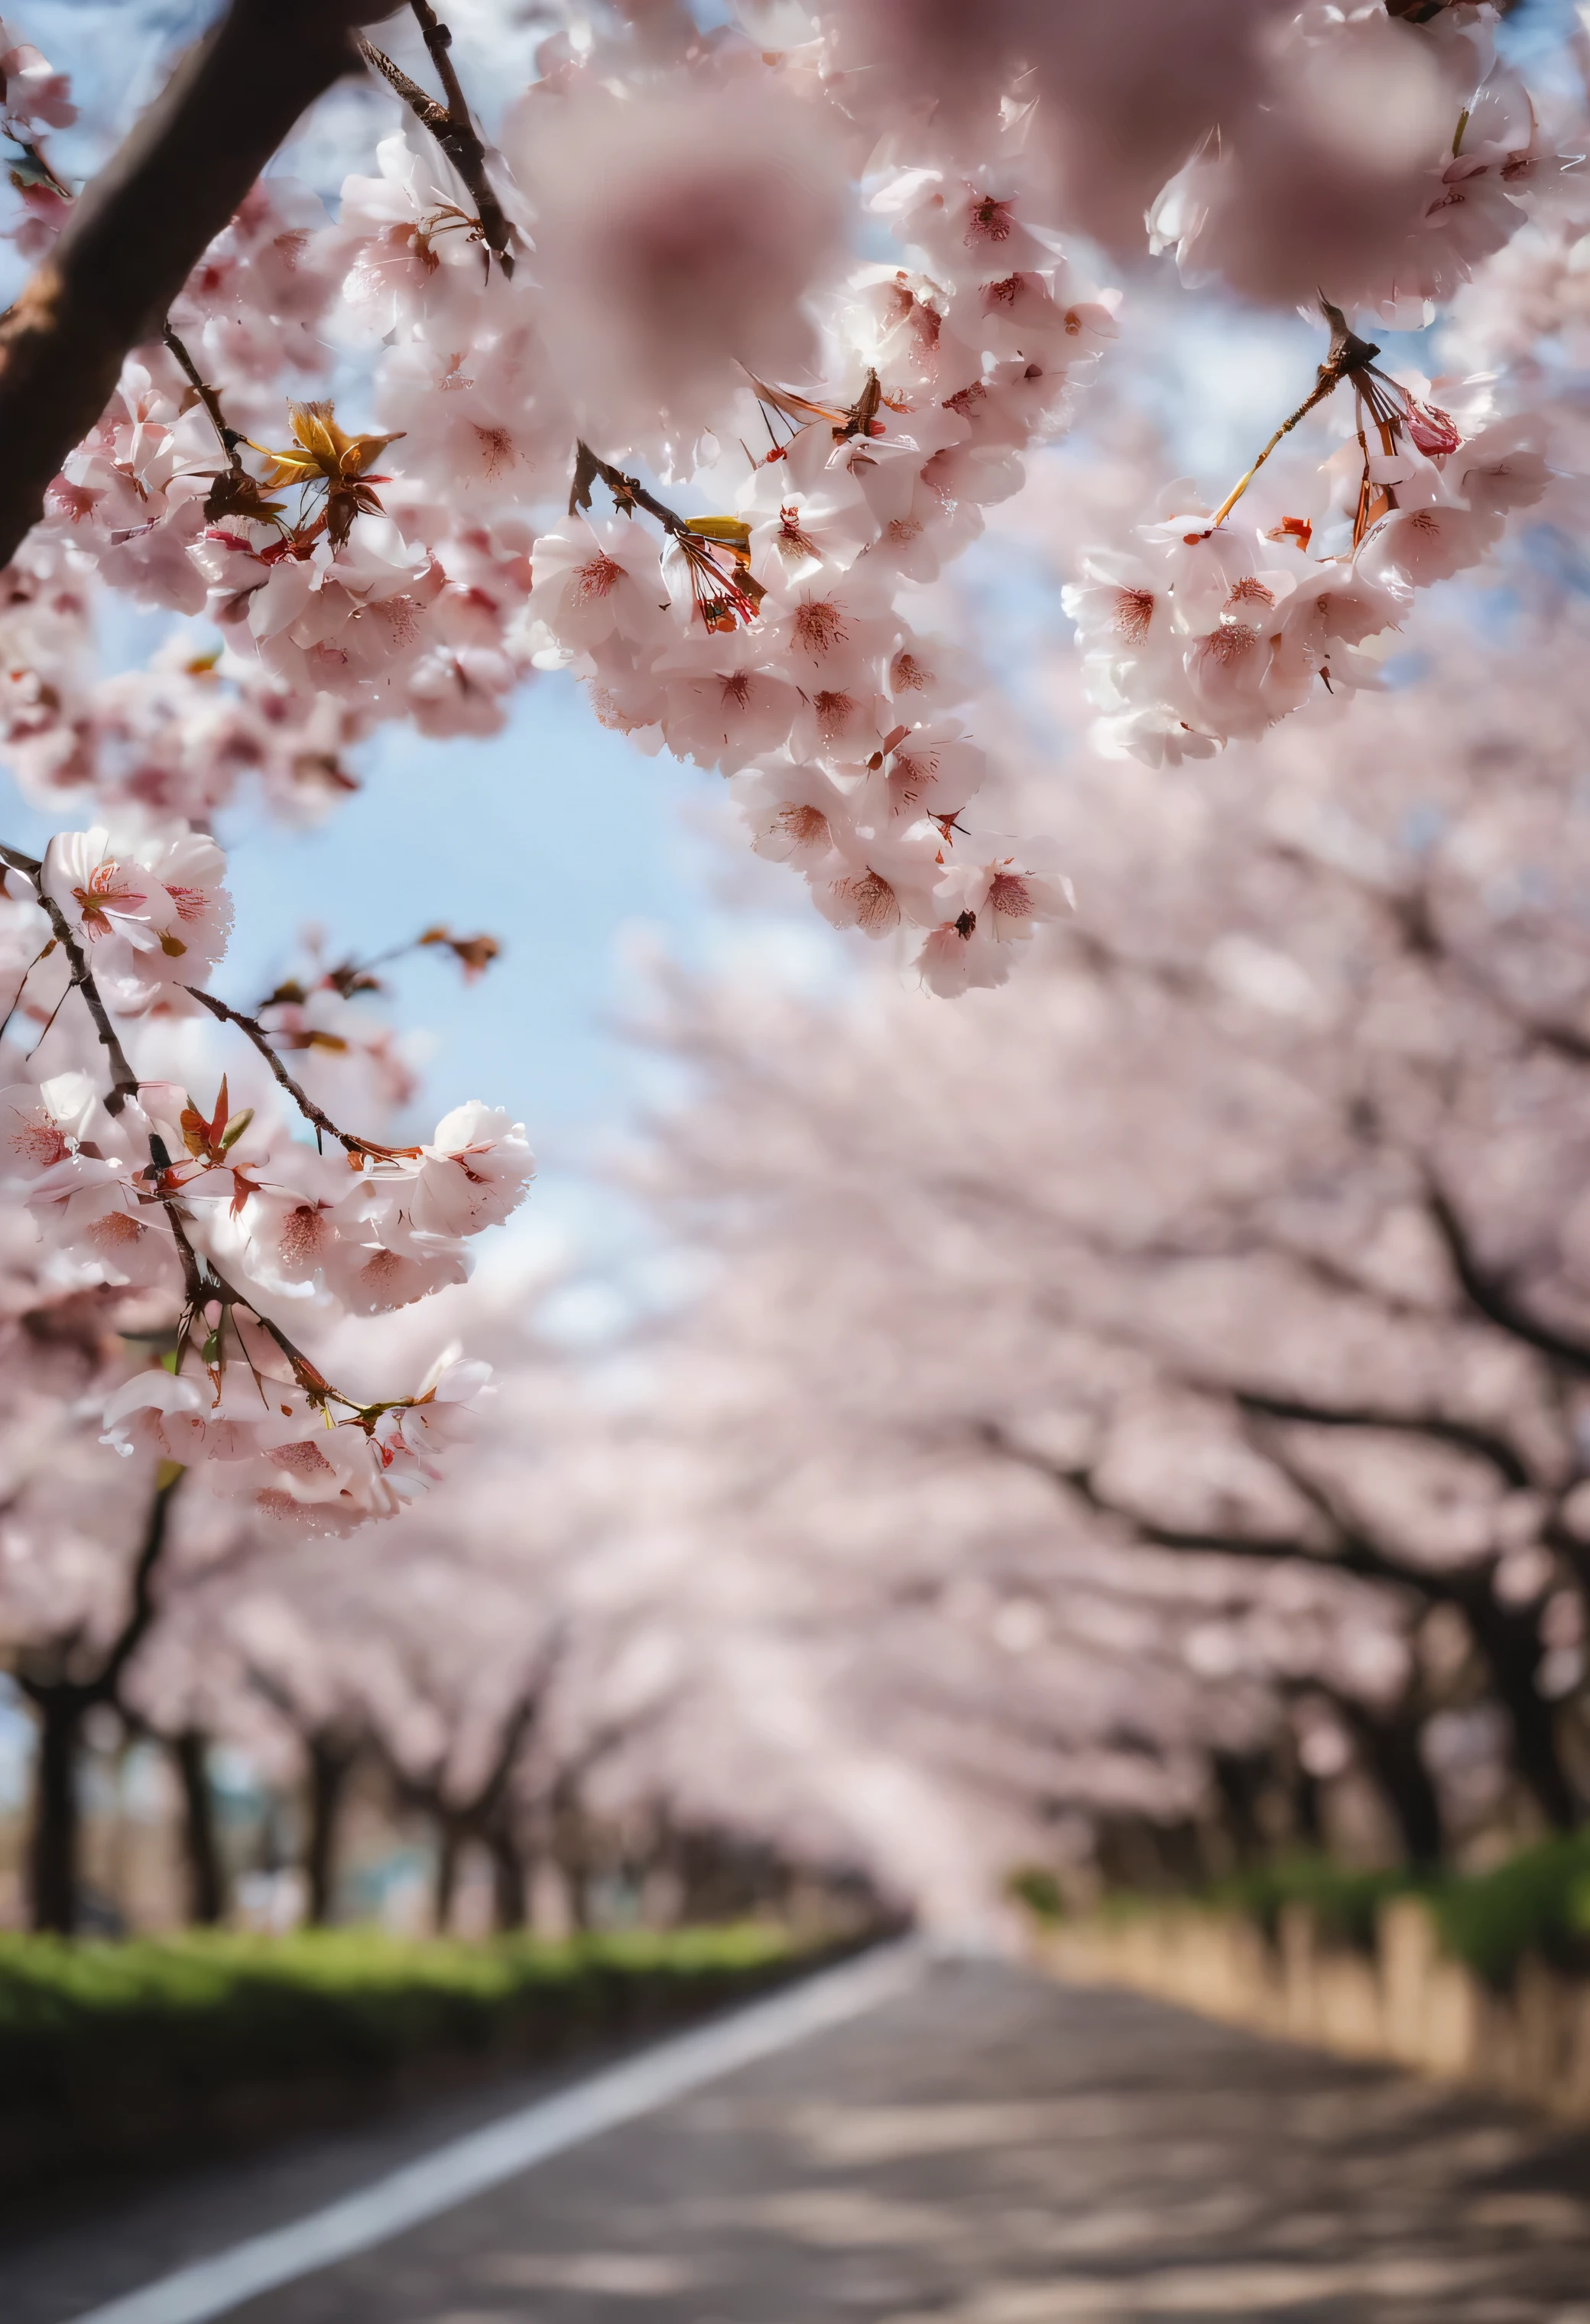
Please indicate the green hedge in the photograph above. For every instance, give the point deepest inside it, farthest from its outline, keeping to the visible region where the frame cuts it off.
(1537, 1901)
(125, 2051)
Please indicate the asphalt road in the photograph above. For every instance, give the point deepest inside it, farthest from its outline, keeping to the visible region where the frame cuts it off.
(991, 2148)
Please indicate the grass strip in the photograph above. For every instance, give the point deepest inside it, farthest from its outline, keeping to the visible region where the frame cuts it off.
(105, 2047)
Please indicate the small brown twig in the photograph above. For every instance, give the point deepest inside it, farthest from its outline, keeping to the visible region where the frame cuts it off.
(798, 411)
(723, 597)
(123, 1080)
(317, 1116)
(861, 414)
(450, 125)
(229, 437)
(235, 491)
(197, 1292)
(204, 1285)
(31, 150)
(308, 1376)
(438, 41)
(1347, 354)
(629, 491)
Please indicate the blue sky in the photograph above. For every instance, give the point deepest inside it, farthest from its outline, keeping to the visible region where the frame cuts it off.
(554, 835)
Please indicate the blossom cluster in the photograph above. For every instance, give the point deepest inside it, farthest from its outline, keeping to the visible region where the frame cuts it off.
(425, 592)
(811, 688)
(216, 1219)
(1203, 630)
(1383, 158)
(680, 204)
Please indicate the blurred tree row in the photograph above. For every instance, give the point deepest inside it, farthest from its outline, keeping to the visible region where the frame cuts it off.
(1137, 1421)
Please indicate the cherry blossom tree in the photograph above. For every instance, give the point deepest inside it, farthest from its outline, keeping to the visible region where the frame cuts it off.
(1273, 1259)
(652, 262)
(96, 1540)
(687, 361)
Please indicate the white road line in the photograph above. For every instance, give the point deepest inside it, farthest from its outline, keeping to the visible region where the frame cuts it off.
(467, 2166)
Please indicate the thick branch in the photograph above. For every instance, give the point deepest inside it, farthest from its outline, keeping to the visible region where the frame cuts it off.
(429, 1792)
(1484, 1294)
(138, 230)
(1352, 1549)
(82, 1693)
(1411, 914)
(1348, 1551)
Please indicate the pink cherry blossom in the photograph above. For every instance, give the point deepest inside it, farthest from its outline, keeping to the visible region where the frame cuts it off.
(473, 1172)
(677, 238)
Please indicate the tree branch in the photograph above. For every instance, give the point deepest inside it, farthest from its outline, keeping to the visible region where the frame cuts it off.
(229, 437)
(141, 1613)
(628, 492)
(451, 125)
(85, 1692)
(136, 232)
(123, 1080)
(1489, 1294)
(1080, 1480)
(315, 1115)
(1351, 1549)
(1459, 1435)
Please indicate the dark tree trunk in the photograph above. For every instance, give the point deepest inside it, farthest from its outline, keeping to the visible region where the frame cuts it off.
(206, 1901)
(1390, 1747)
(448, 1842)
(1308, 1812)
(331, 1763)
(1240, 1779)
(1509, 1639)
(508, 1880)
(54, 1840)
(60, 1705)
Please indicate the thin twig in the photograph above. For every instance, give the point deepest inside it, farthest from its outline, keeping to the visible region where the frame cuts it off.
(722, 596)
(1348, 354)
(451, 126)
(34, 153)
(230, 438)
(308, 1376)
(124, 1084)
(217, 1291)
(123, 1080)
(629, 491)
(438, 41)
(315, 1115)
(22, 988)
